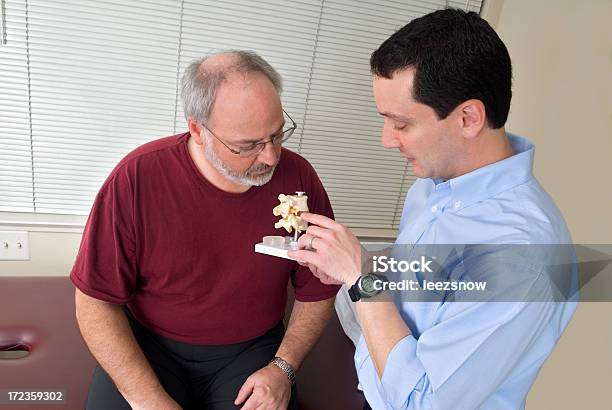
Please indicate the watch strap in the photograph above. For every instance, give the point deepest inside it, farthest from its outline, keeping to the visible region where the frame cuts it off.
(285, 367)
(354, 292)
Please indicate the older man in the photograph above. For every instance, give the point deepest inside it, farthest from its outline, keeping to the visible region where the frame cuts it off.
(443, 85)
(171, 299)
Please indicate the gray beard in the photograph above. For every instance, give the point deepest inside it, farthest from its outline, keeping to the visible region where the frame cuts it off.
(247, 177)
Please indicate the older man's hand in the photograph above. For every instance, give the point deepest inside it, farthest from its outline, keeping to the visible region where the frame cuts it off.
(266, 389)
(330, 250)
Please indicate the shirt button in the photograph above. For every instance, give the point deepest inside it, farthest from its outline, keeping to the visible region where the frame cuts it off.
(457, 204)
(434, 208)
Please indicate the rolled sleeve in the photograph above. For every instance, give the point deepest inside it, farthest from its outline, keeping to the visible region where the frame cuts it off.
(402, 373)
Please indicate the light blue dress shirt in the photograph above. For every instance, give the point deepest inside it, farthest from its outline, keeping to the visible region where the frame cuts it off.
(472, 355)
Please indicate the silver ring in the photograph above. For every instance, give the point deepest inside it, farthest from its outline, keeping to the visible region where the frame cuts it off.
(312, 238)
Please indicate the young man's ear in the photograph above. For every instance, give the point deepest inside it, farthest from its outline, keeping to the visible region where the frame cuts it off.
(195, 129)
(472, 116)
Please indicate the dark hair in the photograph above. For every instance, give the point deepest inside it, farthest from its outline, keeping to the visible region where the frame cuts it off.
(457, 56)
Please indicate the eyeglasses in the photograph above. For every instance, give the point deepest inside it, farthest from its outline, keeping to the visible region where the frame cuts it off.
(256, 148)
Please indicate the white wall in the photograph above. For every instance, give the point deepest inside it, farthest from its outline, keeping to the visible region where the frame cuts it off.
(562, 56)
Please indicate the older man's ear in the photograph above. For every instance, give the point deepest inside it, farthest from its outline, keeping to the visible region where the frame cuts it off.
(195, 129)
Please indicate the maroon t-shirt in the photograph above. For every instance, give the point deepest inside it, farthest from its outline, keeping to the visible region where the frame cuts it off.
(180, 252)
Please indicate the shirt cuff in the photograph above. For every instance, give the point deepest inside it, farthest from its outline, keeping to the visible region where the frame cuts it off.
(94, 293)
(402, 373)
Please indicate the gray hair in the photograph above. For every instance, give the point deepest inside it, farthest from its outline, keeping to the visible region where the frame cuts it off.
(199, 84)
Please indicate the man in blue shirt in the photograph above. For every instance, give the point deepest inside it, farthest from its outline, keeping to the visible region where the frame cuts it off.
(443, 85)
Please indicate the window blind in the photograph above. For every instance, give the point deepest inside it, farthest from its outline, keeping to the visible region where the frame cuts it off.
(16, 189)
(84, 82)
(102, 82)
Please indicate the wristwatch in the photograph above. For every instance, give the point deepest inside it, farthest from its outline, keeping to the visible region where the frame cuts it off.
(367, 286)
(285, 367)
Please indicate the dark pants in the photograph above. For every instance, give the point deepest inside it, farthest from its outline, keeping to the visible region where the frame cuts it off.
(195, 376)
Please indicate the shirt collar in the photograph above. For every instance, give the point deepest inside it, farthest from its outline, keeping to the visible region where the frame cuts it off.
(490, 180)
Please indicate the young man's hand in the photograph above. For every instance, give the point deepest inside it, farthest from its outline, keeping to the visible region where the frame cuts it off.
(330, 250)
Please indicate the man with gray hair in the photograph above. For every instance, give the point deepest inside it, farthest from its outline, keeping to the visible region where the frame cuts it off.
(171, 299)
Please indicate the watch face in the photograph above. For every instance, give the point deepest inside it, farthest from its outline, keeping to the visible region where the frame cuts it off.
(367, 285)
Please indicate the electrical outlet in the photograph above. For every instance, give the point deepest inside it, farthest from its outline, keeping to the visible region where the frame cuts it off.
(14, 246)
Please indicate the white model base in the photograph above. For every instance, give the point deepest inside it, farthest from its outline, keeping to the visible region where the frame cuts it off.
(279, 250)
